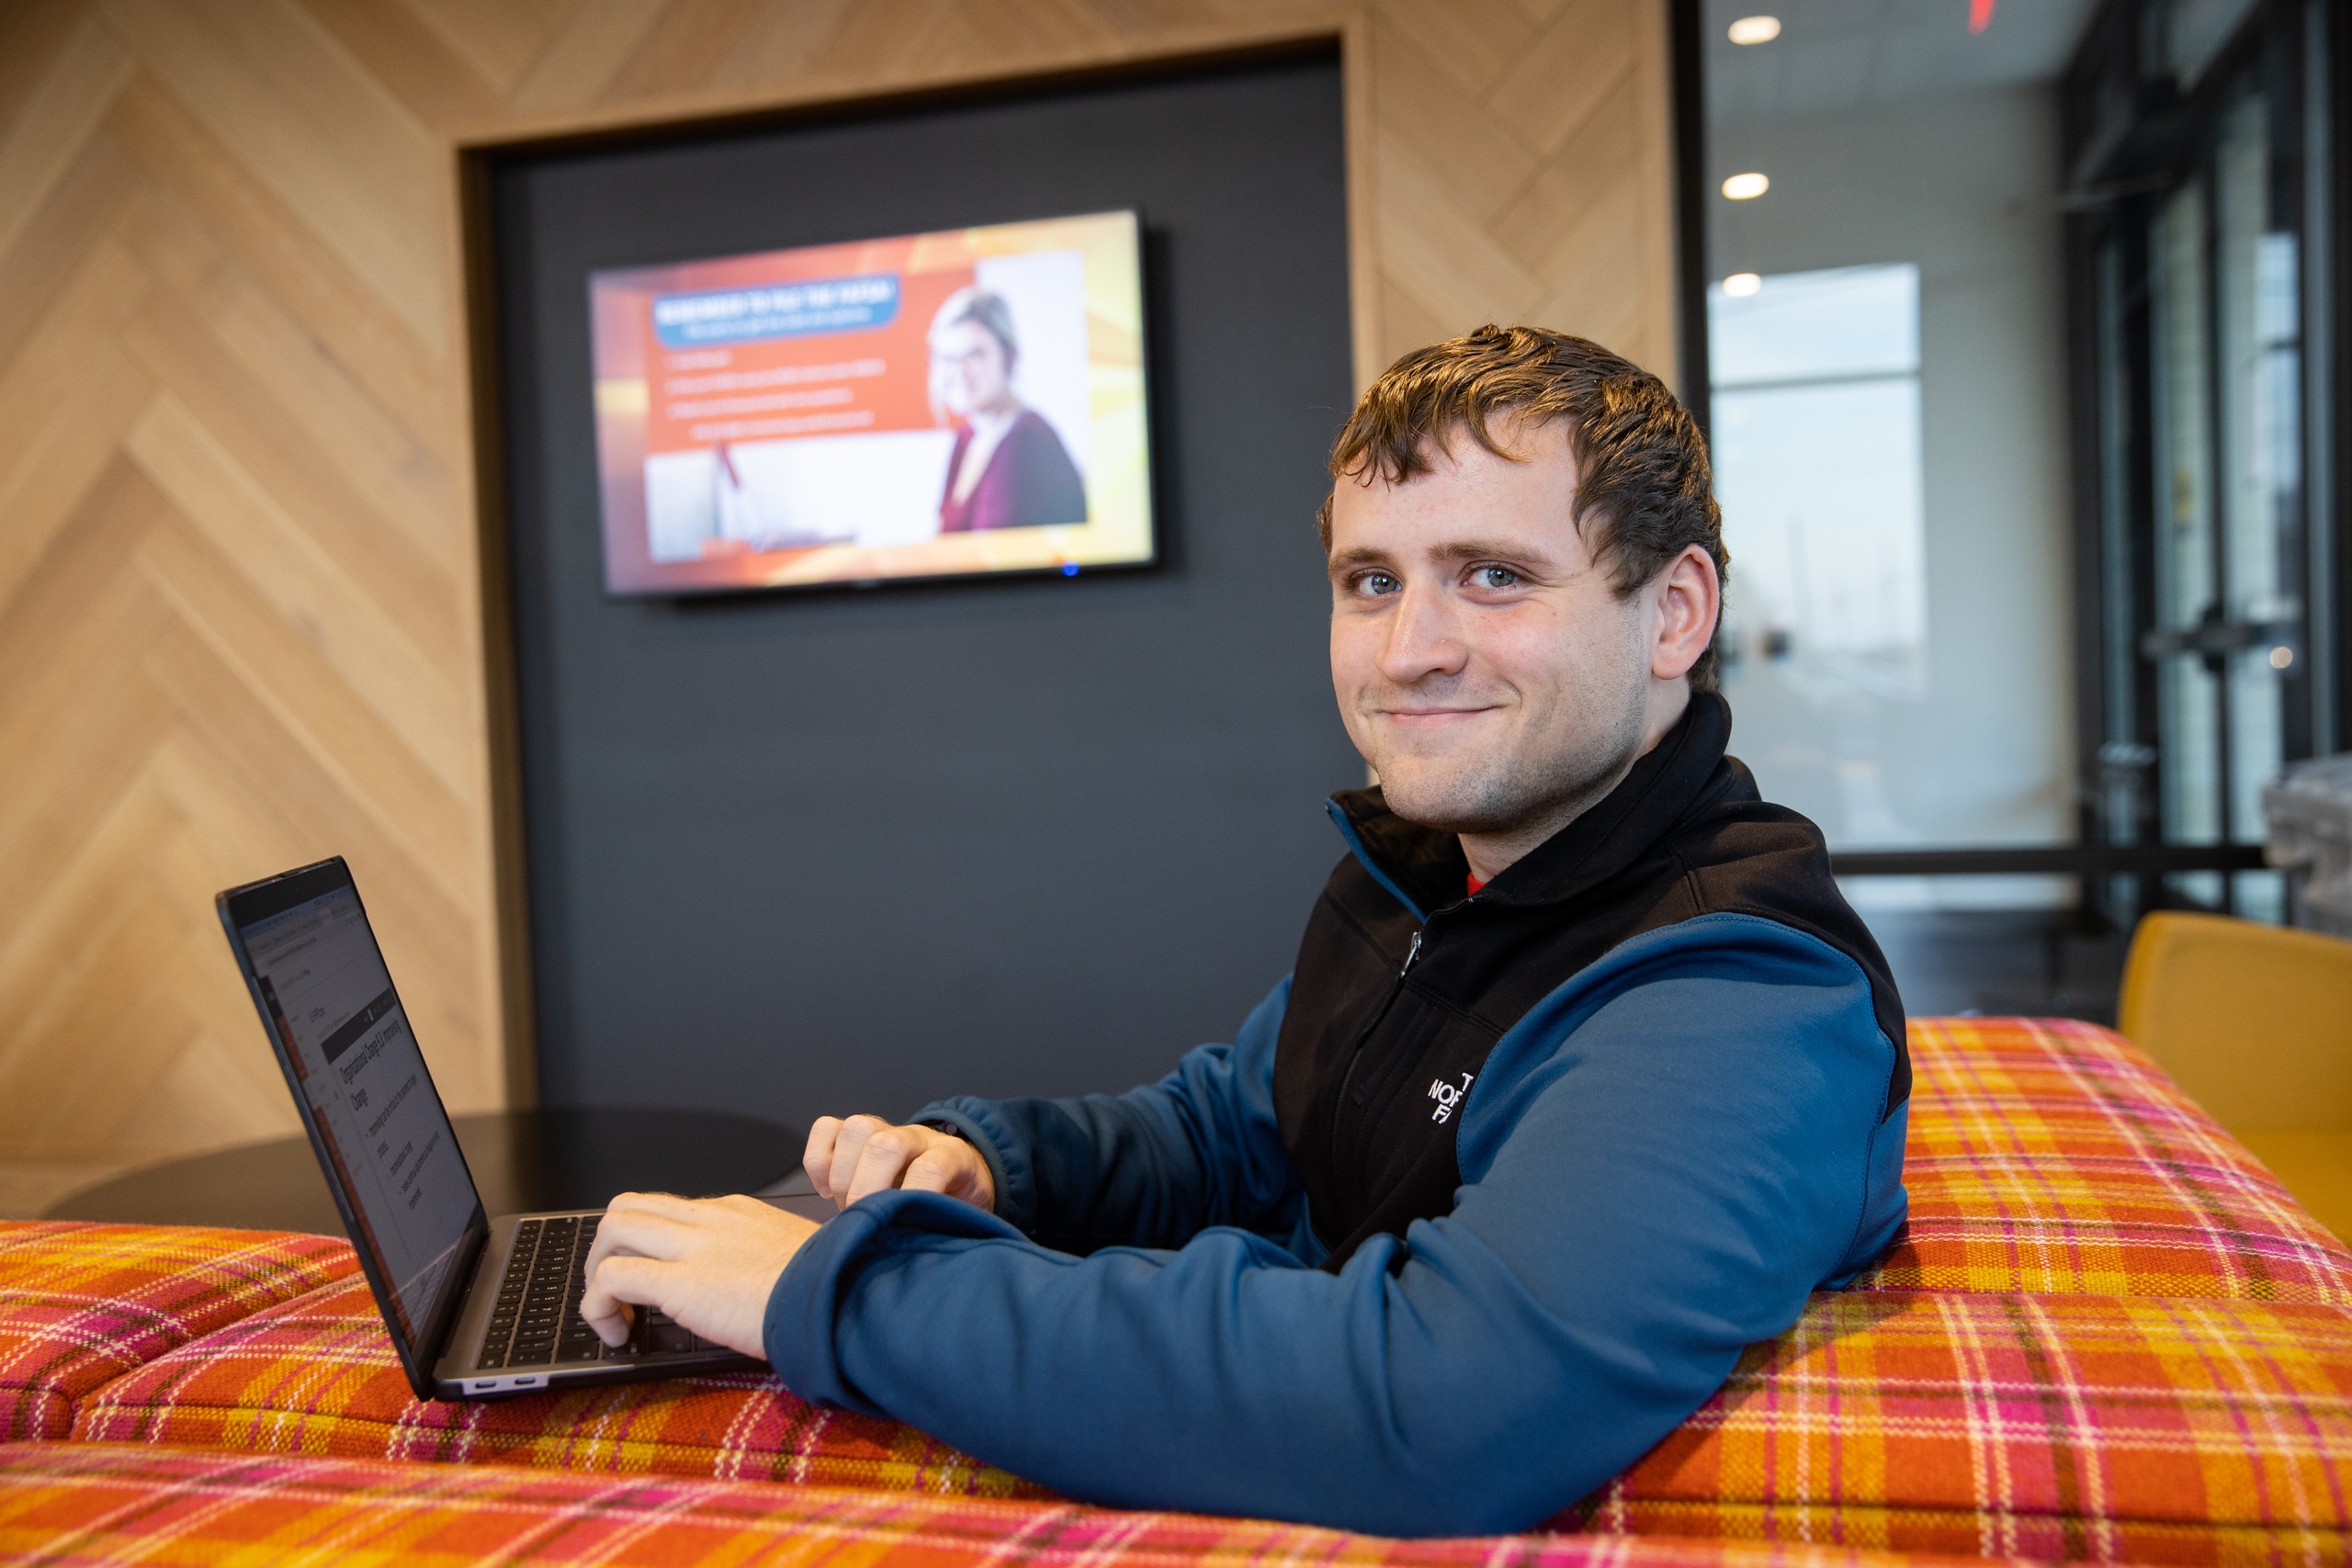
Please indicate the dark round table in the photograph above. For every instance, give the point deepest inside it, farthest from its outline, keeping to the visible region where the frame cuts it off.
(521, 1160)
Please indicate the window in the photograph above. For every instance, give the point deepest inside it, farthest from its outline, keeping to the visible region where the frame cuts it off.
(1816, 408)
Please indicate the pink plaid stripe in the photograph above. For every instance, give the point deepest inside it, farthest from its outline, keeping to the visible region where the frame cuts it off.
(80, 1304)
(2049, 1156)
(318, 1376)
(98, 1506)
(2065, 1427)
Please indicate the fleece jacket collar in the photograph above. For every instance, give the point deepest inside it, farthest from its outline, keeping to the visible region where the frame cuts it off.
(1671, 782)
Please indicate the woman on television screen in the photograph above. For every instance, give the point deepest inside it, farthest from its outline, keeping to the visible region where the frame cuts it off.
(1009, 469)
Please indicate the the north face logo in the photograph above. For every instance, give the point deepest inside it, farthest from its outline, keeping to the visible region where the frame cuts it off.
(1447, 1098)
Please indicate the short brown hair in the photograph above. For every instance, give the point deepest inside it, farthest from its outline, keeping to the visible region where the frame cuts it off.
(1642, 469)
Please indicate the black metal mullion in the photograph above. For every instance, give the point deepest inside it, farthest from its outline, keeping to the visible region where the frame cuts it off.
(2050, 859)
(1688, 40)
(2089, 430)
(2139, 336)
(2338, 44)
(2292, 519)
(2217, 487)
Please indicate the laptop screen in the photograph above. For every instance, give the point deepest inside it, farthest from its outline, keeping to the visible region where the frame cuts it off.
(330, 1003)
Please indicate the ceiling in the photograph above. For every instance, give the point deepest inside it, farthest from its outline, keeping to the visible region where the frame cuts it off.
(1835, 56)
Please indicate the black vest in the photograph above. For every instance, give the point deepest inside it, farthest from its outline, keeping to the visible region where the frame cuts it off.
(1390, 1016)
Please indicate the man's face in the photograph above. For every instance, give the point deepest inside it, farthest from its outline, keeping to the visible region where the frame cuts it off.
(1485, 665)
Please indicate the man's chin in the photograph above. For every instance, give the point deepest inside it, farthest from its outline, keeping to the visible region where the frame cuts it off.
(1443, 805)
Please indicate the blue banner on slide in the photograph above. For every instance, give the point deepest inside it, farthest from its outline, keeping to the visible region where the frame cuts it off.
(782, 309)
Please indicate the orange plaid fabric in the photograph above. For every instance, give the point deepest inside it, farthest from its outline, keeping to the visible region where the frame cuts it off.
(2134, 1429)
(102, 1506)
(2108, 1334)
(81, 1305)
(2052, 1157)
(318, 1376)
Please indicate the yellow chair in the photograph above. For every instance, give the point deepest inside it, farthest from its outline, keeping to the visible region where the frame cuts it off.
(2256, 1022)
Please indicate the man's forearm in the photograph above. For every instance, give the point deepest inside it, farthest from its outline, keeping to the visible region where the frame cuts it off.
(1638, 1207)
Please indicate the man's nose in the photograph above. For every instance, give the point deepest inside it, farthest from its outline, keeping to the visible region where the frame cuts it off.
(1424, 639)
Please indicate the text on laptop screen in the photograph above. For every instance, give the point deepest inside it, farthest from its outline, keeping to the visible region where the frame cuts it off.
(949, 404)
(332, 1002)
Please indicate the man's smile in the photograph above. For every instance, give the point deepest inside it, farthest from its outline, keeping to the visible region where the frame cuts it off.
(1435, 717)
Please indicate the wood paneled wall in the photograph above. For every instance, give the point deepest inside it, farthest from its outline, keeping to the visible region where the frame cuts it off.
(240, 619)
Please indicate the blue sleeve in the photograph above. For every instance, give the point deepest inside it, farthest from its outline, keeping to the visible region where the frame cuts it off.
(1660, 1162)
(1154, 1166)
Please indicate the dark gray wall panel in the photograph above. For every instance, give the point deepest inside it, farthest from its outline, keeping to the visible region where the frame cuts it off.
(836, 852)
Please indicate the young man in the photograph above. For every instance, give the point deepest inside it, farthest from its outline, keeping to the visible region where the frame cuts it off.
(1585, 1077)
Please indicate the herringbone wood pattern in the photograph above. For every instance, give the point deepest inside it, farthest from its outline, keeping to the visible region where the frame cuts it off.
(239, 625)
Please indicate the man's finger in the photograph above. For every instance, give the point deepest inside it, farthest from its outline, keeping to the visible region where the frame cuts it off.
(933, 1171)
(848, 1139)
(668, 1204)
(849, 1153)
(640, 1229)
(613, 1286)
(817, 1161)
(888, 1154)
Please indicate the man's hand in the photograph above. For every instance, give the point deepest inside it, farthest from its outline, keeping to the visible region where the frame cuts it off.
(710, 1263)
(860, 1156)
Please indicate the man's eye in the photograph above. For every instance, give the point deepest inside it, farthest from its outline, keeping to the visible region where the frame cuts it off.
(1376, 582)
(1495, 577)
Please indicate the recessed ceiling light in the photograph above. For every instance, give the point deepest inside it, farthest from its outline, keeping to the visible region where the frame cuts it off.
(1746, 187)
(1740, 285)
(2281, 656)
(1756, 29)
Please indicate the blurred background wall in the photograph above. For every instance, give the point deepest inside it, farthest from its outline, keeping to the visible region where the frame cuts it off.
(240, 611)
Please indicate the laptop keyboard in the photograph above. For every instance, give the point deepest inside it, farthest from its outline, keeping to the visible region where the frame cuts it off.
(537, 1320)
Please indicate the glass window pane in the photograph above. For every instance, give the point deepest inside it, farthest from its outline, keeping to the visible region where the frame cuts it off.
(1818, 465)
(2184, 553)
(2126, 761)
(2261, 452)
(1846, 321)
(1820, 488)
(2194, 31)
(2261, 437)
(2192, 755)
(2191, 717)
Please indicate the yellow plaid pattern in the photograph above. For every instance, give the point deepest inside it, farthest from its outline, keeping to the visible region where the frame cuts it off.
(81, 1305)
(2051, 1157)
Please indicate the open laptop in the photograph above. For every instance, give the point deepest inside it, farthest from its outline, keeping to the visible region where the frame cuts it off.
(478, 1308)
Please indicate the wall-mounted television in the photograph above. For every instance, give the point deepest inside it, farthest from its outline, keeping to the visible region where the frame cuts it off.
(950, 404)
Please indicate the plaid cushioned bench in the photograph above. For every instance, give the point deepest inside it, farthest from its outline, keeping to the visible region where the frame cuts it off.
(81, 1305)
(2111, 1428)
(93, 1505)
(2108, 1334)
(318, 1376)
(2049, 1156)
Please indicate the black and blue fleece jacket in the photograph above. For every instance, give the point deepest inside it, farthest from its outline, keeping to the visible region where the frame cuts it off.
(1479, 1204)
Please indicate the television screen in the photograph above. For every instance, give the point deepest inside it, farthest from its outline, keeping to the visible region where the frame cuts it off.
(931, 405)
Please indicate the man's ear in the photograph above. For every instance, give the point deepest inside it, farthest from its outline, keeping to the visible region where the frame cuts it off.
(1689, 597)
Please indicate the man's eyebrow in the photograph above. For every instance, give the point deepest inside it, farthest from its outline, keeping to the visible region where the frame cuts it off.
(1489, 549)
(1523, 553)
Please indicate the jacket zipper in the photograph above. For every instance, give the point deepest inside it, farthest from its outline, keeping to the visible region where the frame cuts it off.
(1395, 989)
